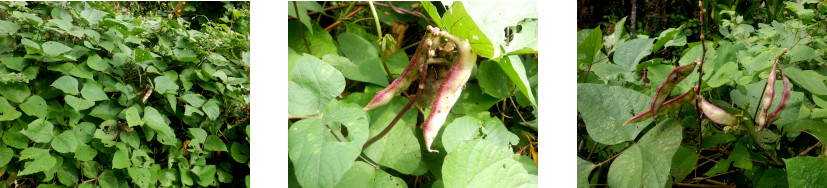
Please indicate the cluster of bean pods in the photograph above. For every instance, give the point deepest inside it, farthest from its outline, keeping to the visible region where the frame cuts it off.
(449, 90)
(711, 111)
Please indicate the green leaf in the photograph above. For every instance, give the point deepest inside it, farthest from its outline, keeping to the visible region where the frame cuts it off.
(93, 91)
(68, 174)
(469, 128)
(34, 106)
(5, 156)
(810, 80)
(41, 160)
(631, 52)
(362, 174)
(133, 117)
(365, 56)
(495, 82)
(647, 162)
(206, 174)
(97, 63)
(514, 68)
(214, 143)
(321, 43)
(716, 139)
(108, 130)
(142, 55)
(806, 171)
(107, 179)
(164, 85)
(39, 131)
(106, 110)
(753, 92)
(723, 75)
(7, 112)
(15, 92)
(314, 157)
(85, 153)
(589, 47)
(240, 152)
(740, 157)
(8, 28)
(92, 16)
(670, 37)
(141, 176)
(802, 53)
(77, 103)
(314, 84)
(814, 127)
(52, 48)
(15, 139)
(199, 135)
(303, 6)
(459, 23)
(194, 99)
(120, 159)
(15, 63)
(67, 84)
(604, 109)
(212, 109)
(479, 163)
(402, 153)
(525, 41)
(66, 142)
(806, 15)
(155, 121)
(584, 168)
(683, 163)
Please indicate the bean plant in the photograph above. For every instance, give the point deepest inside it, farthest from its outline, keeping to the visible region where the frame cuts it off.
(110, 94)
(742, 106)
(448, 102)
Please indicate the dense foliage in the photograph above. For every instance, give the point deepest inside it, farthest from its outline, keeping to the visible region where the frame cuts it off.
(123, 94)
(489, 137)
(750, 130)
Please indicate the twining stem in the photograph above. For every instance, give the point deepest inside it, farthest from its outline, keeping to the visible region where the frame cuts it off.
(375, 18)
(298, 18)
(331, 26)
(700, 76)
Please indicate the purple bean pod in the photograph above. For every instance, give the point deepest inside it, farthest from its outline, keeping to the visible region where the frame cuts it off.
(675, 76)
(785, 96)
(450, 89)
(668, 106)
(404, 80)
(716, 114)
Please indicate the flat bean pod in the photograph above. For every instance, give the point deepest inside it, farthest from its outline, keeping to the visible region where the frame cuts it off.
(675, 76)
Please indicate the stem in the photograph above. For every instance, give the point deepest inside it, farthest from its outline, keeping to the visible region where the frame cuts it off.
(607, 160)
(331, 26)
(700, 77)
(375, 18)
(306, 44)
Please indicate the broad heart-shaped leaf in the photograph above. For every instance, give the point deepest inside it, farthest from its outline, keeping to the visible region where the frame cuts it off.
(13, 138)
(5, 156)
(806, 15)
(97, 63)
(165, 85)
(92, 16)
(629, 54)
(492, 20)
(52, 48)
(8, 28)
(108, 130)
(753, 91)
(670, 37)
(605, 108)
(495, 81)
(589, 47)
(525, 41)
(365, 56)
(67, 84)
(93, 91)
(240, 152)
(361, 174)
(108, 179)
(515, 70)
(77, 103)
(142, 55)
(133, 117)
(314, 83)
(34, 106)
(683, 162)
(806, 171)
(802, 52)
(120, 159)
(321, 162)
(66, 142)
(211, 109)
(584, 168)
(399, 149)
(808, 79)
(205, 174)
(321, 43)
(154, 120)
(647, 163)
(459, 23)
(214, 143)
(41, 160)
(7, 112)
(812, 126)
(39, 131)
(15, 92)
(469, 128)
(479, 163)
